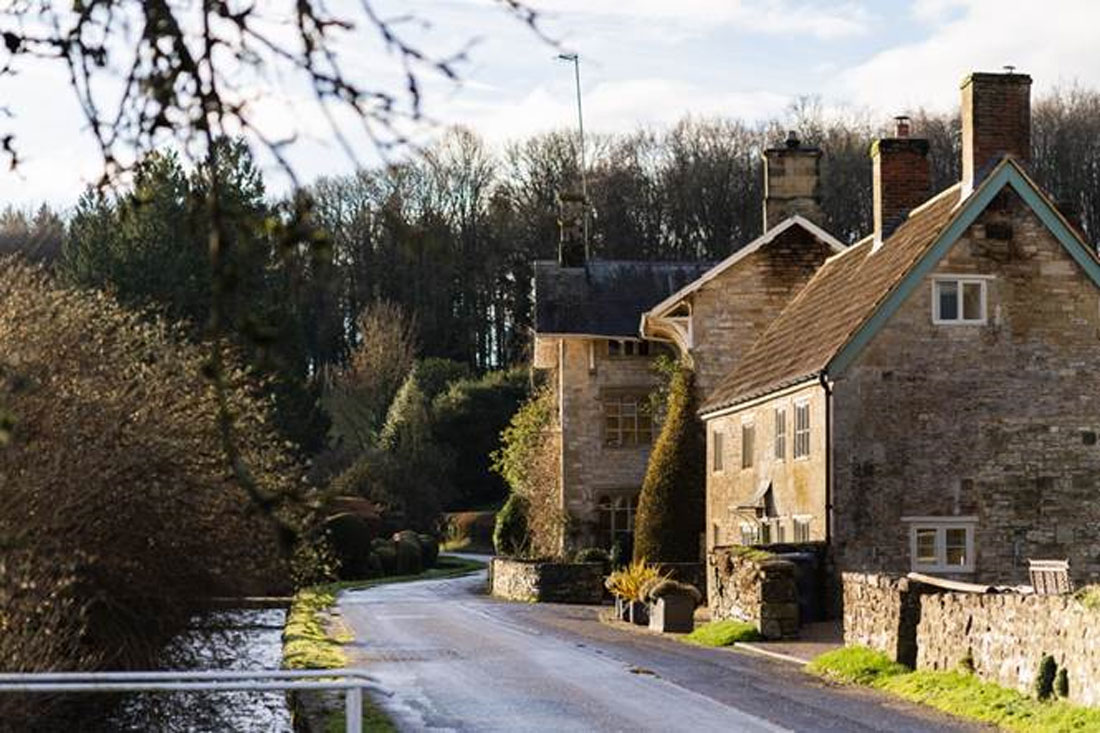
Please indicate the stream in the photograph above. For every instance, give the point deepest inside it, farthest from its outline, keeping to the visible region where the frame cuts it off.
(237, 639)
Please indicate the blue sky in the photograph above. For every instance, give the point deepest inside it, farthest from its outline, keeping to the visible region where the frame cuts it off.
(645, 62)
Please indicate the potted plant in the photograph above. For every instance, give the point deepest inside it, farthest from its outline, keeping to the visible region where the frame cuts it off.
(629, 586)
(672, 606)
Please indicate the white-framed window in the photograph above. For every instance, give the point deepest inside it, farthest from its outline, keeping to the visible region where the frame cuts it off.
(748, 443)
(959, 300)
(801, 429)
(801, 529)
(718, 451)
(941, 544)
(750, 533)
(627, 421)
(617, 519)
(780, 433)
(779, 531)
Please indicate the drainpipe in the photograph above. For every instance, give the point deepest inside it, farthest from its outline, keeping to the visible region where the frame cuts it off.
(828, 387)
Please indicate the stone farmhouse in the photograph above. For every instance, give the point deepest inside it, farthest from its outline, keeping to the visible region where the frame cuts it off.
(930, 400)
(586, 335)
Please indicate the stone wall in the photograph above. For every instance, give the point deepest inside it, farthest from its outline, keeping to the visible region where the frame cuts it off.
(751, 585)
(882, 613)
(998, 421)
(1008, 634)
(547, 582)
(1005, 635)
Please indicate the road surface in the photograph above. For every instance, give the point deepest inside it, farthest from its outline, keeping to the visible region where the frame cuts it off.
(448, 658)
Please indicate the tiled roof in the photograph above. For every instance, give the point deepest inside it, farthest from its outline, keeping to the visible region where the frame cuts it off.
(605, 298)
(840, 297)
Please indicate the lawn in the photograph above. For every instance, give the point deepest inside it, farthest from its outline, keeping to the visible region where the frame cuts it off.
(956, 692)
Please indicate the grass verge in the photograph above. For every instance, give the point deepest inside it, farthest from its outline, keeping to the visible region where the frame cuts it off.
(312, 640)
(958, 693)
(722, 633)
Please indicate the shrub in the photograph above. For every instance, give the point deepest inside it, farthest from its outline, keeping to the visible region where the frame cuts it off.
(125, 516)
(436, 375)
(1061, 683)
(510, 534)
(350, 538)
(723, 633)
(472, 530)
(407, 535)
(671, 506)
(528, 461)
(1044, 677)
(592, 554)
(409, 560)
(386, 553)
(429, 547)
(669, 587)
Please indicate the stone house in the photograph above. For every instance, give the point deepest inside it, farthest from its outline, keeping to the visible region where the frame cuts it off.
(586, 336)
(714, 320)
(930, 400)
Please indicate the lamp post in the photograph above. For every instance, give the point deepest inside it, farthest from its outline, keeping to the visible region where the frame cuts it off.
(576, 60)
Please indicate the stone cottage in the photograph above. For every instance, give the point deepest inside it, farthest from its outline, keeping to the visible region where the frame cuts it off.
(930, 400)
(586, 334)
(714, 320)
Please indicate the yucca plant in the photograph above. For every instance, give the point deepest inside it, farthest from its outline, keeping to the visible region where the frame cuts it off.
(631, 582)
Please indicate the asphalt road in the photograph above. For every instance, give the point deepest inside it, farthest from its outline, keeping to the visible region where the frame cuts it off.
(447, 657)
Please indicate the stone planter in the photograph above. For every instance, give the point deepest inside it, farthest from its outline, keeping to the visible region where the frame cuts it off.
(639, 612)
(622, 609)
(672, 613)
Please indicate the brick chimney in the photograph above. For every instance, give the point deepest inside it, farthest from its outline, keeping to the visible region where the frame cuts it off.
(572, 249)
(792, 182)
(996, 119)
(902, 177)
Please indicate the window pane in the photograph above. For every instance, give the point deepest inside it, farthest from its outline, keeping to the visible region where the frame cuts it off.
(947, 293)
(955, 545)
(719, 449)
(747, 434)
(643, 348)
(780, 434)
(972, 301)
(926, 547)
(614, 348)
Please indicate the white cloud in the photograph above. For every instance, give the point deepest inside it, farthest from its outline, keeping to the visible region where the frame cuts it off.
(1053, 41)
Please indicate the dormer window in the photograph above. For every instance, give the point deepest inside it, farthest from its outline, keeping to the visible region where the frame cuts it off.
(959, 300)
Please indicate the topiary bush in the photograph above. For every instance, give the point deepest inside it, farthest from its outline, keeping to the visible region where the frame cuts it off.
(671, 508)
(429, 547)
(386, 553)
(409, 560)
(1044, 678)
(669, 587)
(350, 538)
(510, 533)
(1061, 683)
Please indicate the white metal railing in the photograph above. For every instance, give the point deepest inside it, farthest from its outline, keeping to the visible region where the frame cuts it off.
(352, 681)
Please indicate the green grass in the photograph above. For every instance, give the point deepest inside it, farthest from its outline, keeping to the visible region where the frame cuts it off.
(856, 665)
(374, 720)
(956, 692)
(723, 633)
(447, 566)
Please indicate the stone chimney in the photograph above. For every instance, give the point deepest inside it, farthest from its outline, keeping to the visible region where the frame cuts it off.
(996, 119)
(902, 177)
(572, 249)
(792, 182)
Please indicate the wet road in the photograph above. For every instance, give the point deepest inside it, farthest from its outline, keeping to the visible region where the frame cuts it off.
(447, 657)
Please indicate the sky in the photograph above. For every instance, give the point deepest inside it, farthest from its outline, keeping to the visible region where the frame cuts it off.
(643, 63)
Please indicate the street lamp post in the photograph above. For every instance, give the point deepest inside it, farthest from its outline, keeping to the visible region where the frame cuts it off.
(576, 59)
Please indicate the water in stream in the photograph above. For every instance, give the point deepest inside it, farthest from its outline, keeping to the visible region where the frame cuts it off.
(241, 639)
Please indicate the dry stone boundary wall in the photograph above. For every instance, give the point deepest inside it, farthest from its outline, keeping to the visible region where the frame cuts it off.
(1004, 635)
(546, 582)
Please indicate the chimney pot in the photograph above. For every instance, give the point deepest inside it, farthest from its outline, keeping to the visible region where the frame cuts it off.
(901, 126)
(792, 140)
